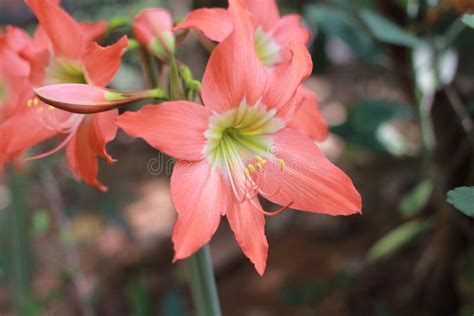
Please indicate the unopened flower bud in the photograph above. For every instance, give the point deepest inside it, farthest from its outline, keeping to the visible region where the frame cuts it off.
(153, 29)
(82, 98)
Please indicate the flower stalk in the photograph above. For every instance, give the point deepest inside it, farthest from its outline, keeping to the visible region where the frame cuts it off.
(176, 84)
(203, 284)
(148, 68)
(18, 243)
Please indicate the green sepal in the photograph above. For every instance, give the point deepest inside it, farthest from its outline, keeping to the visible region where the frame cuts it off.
(114, 96)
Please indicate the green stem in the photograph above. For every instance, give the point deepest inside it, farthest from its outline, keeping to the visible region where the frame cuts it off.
(176, 85)
(203, 284)
(149, 69)
(18, 243)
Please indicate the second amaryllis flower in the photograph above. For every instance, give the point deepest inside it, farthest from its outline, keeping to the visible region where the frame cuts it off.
(75, 58)
(238, 146)
(273, 36)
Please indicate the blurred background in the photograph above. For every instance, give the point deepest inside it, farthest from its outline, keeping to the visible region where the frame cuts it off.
(395, 79)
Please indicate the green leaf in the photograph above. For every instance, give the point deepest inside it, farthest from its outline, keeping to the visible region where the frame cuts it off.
(343, 26)
(468, 19)
(366, 126)
(462, 198)
(398, 238)
(417, 198)
(388, 32)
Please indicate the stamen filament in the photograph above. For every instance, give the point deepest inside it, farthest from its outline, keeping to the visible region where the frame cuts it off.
(52, 151)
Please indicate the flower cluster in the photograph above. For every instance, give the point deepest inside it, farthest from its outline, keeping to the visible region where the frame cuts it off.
(248, 130)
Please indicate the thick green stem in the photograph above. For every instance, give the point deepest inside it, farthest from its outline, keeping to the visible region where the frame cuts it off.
(19, 271)
(203, 284)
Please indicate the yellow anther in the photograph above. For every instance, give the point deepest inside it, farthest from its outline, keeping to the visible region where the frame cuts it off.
(29, 103)
(251, 167)
(247, 173)
(260, 160)
(50, 107)
(260, 166)
(35, 101)
(282, 164)
(39, 109)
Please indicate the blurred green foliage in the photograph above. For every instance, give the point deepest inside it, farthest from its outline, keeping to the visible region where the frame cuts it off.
(340, 24)
(468, 19)
(386, 31)
(398, 237)
(366, 122)
(463, 199)
(415, 200)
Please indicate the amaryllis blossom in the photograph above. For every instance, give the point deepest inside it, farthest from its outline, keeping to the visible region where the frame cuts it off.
(273, 36)
(75, 58)
(19, 130)
(238, 146)
(153, 29)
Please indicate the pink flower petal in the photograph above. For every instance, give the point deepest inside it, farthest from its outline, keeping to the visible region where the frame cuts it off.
(215, 24)
(102, 63)
(289, 30)
(105, 129)
(88, 143)
(248, 224)
(234, 71)
(265, 12)
(93, 31)
(176, 128)
(63, 31)
(199, 195)
(308, 181)
(285, 79)
(21, 132)
(308, 119)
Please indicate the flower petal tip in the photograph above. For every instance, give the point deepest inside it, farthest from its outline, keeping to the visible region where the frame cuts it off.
(178, 256)
(260, 269)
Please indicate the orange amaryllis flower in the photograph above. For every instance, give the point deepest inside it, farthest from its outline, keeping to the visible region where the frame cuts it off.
(153, 29)
(16, 74)
(75, 58)
(273, 36)
(238, 146)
